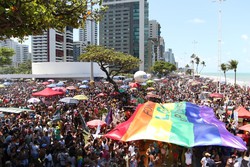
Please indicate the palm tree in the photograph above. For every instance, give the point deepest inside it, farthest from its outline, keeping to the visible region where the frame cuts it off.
(203, 65)
(224, 68)
(197, 62)
(232, 65)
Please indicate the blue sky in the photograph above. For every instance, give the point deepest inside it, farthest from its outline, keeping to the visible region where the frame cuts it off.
(185, 22)
(191, 26)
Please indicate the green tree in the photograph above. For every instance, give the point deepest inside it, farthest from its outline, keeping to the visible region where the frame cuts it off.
(163, 68)
(110, 61)
(8, 70)
(203, 65)
(232, 65)
(5, 56)
(24, 68)
(20, 18)
(224, 68)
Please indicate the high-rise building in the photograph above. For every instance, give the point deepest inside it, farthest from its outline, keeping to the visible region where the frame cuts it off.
(156, 40)
(21, 51)
(90, 32)
(125, 28)
(169, 57)
(53, 46)
(78, 49)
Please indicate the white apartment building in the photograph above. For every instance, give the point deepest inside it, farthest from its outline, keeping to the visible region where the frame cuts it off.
(53, 46)
(21, 51)
(89, 34)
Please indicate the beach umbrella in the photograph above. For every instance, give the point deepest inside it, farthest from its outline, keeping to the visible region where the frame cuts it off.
(60, 84)
(71, 88)
(51, 85)
(60, 89)
(149, 81)
(204, 87)
(69, 100)
(51, 80)
(101, 95)
(45, 83)
(33, 100)
(150, 89)
(7, 83)
(2, 86)
(84, 86)
(134, 85)
(216, 95)
(96, 122)
(81, 97)
(245, 127)
(124, 86)
(85, 81)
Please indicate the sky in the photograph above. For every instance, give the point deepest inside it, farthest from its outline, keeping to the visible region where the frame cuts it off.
(192, 26)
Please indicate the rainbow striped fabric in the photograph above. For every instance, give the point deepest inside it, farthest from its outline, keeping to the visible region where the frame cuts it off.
(183, 123)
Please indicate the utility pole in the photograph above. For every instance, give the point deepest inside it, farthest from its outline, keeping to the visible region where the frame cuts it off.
(91, 42)
(219, 43)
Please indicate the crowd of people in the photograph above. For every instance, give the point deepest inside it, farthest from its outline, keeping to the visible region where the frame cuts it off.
(54, 134)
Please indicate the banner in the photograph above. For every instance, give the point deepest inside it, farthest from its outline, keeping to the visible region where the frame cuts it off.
(183, 123)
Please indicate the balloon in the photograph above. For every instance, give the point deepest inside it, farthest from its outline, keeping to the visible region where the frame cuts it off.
(148, 76)
(140, 76)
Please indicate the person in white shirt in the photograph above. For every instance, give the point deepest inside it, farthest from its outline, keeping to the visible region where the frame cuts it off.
(131, 148)
(188, 157)
(204, 159)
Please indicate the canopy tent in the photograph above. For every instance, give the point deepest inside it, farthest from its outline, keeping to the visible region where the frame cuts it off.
(47, 92)
(242, 112)
(15, 110)
(183, 123)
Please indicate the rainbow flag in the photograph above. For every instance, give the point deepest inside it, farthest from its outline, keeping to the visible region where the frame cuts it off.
(183, 123)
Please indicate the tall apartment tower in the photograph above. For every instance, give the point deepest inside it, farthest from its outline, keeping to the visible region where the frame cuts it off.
(21, 51)
(53, 46)
(89, 34)
(169, 57)
(155, 36)
(125, 28)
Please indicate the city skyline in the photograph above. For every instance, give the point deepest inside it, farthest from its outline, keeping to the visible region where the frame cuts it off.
(193, 27)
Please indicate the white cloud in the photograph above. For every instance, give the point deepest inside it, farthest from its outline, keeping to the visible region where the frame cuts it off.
(196, 21)
(244, 36)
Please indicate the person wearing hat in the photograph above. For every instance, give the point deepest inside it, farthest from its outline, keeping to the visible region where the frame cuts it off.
(205, 159)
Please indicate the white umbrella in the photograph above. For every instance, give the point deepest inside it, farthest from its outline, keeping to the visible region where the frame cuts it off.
(69, 100)
(34, 100)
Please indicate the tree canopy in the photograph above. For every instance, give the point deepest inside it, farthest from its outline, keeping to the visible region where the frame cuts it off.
(110, 61)
(6, 56)
(20, 18)
(162, 67)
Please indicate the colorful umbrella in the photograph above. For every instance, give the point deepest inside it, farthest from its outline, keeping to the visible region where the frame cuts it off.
(150, 89)
(216, 95)
(51, 85)
(245, 127)
(60, 89)
(71, 88)
(96, 122)
(45, 83)
(33, 100)
(101, 95)
(183, 123)
(81, 97)
(84, 86)
(69, 100)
